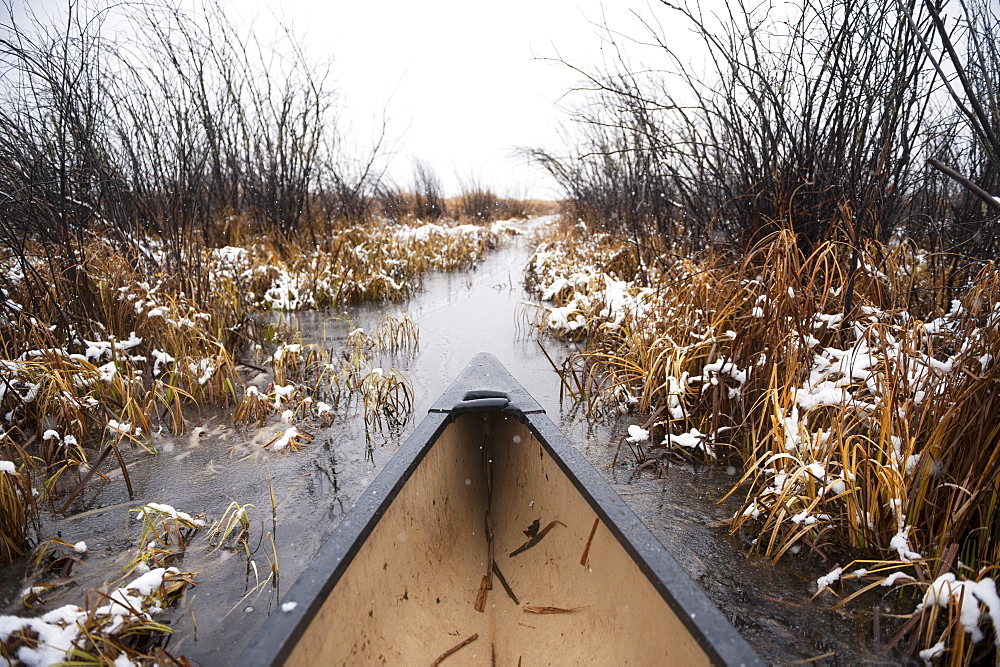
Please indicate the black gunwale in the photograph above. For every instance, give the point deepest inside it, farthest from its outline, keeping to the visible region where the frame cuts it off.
(280, 633)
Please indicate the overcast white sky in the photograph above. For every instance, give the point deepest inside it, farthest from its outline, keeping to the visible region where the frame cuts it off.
(462, 81)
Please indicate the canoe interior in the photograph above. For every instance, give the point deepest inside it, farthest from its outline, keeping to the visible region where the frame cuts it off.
(410, 593)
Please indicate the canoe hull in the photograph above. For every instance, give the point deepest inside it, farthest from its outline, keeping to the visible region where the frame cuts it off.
(489, 532)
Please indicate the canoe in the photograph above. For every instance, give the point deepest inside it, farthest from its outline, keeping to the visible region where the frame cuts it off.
(489, 539)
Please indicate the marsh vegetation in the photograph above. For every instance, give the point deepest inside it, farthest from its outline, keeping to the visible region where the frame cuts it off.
(783, 261)
(788, 258)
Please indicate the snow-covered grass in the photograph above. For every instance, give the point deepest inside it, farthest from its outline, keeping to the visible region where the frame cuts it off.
(310, 382)
(291, 438)
(376, 262)
(97, 376)
(164, 535)
(881, 432)
(118, 623)
(115, 624)
(117, 627)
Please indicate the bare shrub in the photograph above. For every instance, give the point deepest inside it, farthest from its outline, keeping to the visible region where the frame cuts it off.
(143, 123)
(818, 120)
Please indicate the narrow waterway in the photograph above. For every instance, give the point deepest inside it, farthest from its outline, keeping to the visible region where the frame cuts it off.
(459, 315)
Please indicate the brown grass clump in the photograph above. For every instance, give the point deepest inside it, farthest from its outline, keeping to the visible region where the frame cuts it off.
(112, 624)
(877, 428)
(475, 205)
(16, 507)
(311, 382)
(479, 204)
(164, 535)
(396, 334)
(109, 627)
(388, 399)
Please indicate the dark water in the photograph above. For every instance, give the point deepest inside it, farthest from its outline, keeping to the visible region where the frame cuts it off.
(459, 315)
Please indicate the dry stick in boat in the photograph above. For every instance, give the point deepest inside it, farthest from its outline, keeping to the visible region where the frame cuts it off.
(503, 581)
(490, 545)
(464, 642)
(586, 549)
(483, 592)
(537, 538)
(487, 583)
(549, 610)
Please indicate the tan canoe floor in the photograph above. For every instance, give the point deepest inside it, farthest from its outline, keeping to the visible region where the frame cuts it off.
(411, 594)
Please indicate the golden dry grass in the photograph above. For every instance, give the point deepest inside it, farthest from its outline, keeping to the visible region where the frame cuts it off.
(17, 506)
(882, 435)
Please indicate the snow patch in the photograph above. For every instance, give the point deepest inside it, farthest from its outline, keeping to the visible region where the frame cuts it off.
(829, 578)
(929, 654)
(637, 434)
(900, 543)
(172, 513)
(693, 439)
(285, 439)
(970, 595)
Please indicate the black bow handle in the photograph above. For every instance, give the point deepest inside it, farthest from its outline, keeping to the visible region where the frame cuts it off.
(481, 400)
